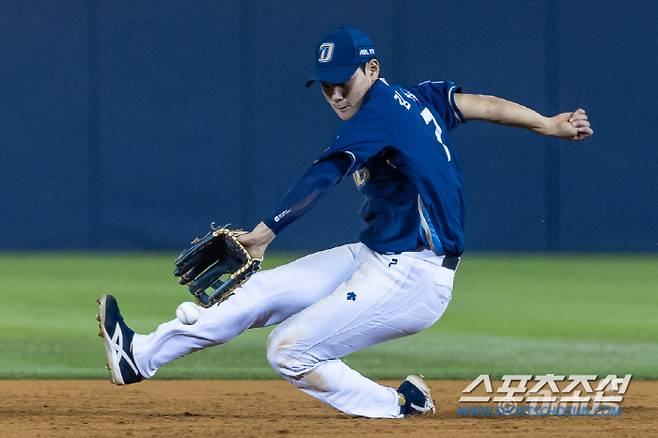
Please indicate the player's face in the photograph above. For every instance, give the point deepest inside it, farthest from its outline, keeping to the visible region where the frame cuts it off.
(346, 98)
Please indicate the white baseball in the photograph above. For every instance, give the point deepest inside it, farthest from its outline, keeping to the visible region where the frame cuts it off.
(188, 313)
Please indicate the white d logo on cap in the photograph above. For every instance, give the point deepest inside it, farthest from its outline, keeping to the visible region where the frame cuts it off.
(326, 52)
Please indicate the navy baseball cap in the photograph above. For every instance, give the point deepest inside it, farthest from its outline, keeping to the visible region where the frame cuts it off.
(339, 54)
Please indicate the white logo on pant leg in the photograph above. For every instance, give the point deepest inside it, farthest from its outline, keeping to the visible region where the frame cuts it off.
(326, 52)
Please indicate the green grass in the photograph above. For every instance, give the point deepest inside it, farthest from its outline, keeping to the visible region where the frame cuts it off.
(509, 314)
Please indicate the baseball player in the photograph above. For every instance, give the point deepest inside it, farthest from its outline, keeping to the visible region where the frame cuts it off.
(396, 281)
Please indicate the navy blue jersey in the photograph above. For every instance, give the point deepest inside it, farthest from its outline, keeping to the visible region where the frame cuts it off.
(397, 148)
(404, 163)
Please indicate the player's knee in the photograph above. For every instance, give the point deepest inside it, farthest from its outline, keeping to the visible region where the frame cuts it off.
(277, 354)
(283, 354)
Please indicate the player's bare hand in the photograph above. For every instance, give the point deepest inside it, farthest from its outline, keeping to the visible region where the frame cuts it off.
(257, 240)
(572, 126)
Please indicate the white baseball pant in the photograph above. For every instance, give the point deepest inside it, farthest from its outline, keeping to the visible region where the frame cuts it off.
(330, 304)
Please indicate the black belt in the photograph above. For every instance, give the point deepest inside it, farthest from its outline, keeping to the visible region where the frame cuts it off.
(450, 262)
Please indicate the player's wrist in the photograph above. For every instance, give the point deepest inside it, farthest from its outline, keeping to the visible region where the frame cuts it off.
(546, 126)
(262, 234)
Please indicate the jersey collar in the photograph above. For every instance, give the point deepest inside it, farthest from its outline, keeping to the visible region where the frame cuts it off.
(377, 87)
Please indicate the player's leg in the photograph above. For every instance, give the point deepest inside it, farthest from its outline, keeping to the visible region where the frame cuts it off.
(387, 297)
(267, 298)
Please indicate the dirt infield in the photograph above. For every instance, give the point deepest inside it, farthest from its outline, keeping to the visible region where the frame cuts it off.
(270, 408)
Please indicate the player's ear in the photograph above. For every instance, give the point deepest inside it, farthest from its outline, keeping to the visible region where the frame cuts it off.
(372, 68)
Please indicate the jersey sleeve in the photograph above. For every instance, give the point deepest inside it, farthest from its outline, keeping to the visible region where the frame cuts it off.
(361, 137)
(441, 95)
(303, 195)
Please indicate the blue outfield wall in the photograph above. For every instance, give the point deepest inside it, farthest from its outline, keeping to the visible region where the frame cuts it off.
(132, 125)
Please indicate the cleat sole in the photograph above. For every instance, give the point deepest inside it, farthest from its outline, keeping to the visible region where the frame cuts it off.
(115, 373)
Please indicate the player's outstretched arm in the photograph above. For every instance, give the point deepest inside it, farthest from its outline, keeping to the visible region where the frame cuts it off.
(569, 126)
(301, 197)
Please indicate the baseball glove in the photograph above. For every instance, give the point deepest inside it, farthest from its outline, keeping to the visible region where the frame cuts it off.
(218, 254)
